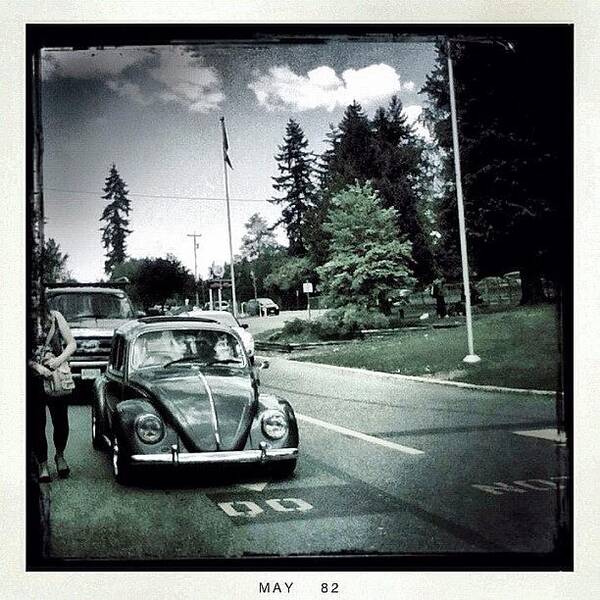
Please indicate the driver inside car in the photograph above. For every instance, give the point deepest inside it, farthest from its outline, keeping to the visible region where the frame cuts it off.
(154, 349)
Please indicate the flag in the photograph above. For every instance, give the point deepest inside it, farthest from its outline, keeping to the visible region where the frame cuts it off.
(225, 144)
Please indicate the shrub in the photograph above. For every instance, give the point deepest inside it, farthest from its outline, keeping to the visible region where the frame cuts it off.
(295, 327)
(336, 324)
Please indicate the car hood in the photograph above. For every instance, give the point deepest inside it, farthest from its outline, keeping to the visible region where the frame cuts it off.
(181, 395)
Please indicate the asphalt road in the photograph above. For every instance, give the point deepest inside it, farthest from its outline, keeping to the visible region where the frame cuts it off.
(386, 467)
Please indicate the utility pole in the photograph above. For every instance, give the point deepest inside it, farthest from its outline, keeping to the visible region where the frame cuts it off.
(195, 235)
(471, 356)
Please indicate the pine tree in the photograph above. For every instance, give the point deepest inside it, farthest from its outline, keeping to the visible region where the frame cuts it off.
(353, 153)
(515, 155)
(399, 159)
(115, 214)
(295, 182)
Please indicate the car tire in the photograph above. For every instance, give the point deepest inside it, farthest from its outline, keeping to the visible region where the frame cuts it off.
(97, 440)
(284, 468)
(120, 467)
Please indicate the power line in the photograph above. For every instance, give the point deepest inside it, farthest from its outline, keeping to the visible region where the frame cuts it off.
(166, 197)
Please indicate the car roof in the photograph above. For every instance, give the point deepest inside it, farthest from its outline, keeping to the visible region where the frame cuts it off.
(84, 290)
(214, 314)
(144, 324)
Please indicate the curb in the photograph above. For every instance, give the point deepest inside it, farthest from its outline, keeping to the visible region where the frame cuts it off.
(459, 384)
(288, 347)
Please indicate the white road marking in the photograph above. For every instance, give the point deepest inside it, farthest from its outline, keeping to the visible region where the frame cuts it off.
(521, 486)
(359, 435)
(228, 508)
(254, 487)
(551, 435)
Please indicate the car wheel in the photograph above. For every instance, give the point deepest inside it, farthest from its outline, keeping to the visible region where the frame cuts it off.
(121, 469)
(284, 469)
(97, 439)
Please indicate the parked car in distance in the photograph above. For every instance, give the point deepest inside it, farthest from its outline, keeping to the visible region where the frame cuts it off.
(261, 306)
(181, 391)
(93, 313)
(226, 318)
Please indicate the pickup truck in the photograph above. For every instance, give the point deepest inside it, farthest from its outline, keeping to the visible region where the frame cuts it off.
(93, 314)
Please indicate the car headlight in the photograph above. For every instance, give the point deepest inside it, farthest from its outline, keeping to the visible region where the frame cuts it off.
(150, 429)
(274, 424)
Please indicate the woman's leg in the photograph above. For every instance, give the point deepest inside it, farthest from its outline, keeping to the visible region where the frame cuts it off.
(59, 411)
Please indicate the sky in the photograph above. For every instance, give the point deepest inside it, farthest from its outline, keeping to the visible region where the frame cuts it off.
(154, 113)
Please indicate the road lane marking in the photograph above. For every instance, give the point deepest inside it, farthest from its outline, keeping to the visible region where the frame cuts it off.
(252, 509)
(521, 486)
(551, 435)
(228, 508)
(359, 435)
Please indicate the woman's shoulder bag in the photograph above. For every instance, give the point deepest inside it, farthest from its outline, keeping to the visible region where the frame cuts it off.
(61, 382)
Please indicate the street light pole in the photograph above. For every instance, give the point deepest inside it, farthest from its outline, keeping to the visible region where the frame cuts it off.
(471, 356)
(195, 235)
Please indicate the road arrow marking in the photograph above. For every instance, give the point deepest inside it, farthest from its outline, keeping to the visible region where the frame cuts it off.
(359, 435)
(254, 487)
(551, 435)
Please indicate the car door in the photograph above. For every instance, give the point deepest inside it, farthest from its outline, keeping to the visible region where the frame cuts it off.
(114, 377)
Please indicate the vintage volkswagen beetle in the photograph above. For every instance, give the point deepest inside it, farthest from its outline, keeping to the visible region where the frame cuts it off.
(181, 391)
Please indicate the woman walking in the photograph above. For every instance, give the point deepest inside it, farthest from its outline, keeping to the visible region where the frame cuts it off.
(55, 347)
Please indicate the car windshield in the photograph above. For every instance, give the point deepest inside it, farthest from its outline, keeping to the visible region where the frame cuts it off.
(93, 305)
(186, 347)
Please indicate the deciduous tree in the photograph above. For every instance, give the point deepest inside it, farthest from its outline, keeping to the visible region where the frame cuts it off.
(368, 262)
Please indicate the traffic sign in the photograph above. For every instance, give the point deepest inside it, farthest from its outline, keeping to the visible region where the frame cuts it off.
(307, 287)
(219, 283)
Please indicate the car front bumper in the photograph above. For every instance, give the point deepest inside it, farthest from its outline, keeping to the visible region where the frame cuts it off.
(81, 368)
(264, 455)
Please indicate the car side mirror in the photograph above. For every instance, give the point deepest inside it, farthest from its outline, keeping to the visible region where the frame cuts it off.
(264, 365)
(244, 325)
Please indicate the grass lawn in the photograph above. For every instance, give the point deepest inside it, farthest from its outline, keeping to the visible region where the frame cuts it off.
(518, 348)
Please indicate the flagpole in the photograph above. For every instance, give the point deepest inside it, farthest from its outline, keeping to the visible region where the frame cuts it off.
(225, 159)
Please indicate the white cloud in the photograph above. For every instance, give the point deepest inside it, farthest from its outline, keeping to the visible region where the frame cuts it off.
(413, 116)
(165, 74)
(185, 79)
(408, 86)
(281, 88)
(129, 90)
